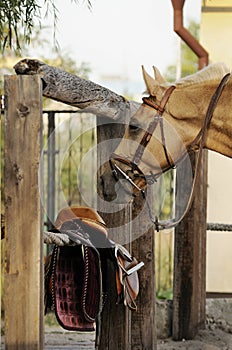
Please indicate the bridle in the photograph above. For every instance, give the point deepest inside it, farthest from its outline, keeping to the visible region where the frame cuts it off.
(134, 163)
(158, 120)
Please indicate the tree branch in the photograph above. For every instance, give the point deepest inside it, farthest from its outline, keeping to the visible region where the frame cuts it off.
(70, 89)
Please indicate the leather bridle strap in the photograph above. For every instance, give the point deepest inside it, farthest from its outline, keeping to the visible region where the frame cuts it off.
(152, 126)
(202, 136)
(209, 114)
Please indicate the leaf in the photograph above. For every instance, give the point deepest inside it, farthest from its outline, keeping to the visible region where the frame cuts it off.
(17, 15)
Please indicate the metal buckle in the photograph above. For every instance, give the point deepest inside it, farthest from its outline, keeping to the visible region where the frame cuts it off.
(126, 256)
(134, 268)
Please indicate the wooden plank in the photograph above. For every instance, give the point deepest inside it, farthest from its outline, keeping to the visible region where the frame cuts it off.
(189, 287)
(123, 329)
(24, 253)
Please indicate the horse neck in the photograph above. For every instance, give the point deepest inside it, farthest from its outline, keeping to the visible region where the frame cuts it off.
(187, 111)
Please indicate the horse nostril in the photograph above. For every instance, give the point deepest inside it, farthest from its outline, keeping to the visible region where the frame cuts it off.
(101, 181)
(101, 185)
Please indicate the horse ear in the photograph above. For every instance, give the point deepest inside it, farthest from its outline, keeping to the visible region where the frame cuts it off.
(158, 76)
(151, 83)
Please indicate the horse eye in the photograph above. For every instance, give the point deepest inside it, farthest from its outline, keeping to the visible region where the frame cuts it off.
(133, 126)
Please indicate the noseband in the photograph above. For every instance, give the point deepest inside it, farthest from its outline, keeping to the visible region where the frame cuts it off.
(133, 165)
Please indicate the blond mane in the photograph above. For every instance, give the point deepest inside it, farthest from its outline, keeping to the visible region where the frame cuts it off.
(212, 72)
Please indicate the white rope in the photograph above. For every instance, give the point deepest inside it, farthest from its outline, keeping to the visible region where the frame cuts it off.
(59, 239)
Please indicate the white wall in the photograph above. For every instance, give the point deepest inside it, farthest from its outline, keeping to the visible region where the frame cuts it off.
(215, 36)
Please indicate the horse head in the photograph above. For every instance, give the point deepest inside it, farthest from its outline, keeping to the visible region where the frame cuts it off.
(172, 121)
(148, 147)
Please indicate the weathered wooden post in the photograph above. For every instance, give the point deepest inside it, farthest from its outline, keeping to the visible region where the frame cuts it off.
(114, 316)
(189, 290)
(121, 328)
(190, 261)
(24, 249)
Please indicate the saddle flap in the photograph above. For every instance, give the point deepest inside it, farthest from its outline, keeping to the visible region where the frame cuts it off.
(76, 287)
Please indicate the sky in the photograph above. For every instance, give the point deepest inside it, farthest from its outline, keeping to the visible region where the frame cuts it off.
(116, 37)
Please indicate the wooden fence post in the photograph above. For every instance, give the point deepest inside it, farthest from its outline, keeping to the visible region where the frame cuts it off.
(189, 290)
(123, 329)
(24, 248)
(189, 286)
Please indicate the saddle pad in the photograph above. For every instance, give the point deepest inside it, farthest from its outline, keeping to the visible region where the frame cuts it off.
(76, 287)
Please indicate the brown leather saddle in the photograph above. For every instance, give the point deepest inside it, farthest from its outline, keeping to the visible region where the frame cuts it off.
(76, 276)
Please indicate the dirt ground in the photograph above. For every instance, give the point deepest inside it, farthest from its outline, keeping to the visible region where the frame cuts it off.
(57, 338)
(208, 339)
(217, 334)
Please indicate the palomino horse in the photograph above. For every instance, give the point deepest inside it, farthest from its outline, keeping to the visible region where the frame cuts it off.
(188, 115)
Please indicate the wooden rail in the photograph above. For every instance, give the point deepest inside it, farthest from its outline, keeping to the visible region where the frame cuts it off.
(23, 238)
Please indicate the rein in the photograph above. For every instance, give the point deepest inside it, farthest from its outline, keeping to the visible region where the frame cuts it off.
(202, 137)
(146, 138)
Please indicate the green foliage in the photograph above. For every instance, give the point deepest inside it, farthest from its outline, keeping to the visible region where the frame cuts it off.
(165, 294)
(71, 185)
(164, 263)
(167, 196)
(50, 320)
(19, 16)
(13, 16)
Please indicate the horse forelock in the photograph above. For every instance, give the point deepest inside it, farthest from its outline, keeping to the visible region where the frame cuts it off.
(213, 72)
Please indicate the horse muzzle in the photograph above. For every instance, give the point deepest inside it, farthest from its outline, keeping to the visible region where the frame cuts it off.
(121, 181)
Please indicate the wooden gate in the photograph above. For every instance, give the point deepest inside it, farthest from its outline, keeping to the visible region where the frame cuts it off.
(24, 328)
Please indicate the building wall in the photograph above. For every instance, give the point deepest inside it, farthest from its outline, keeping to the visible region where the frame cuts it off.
(216, 38)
